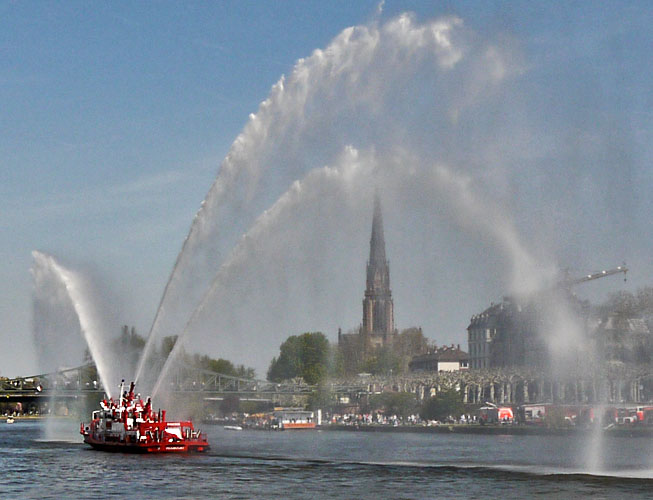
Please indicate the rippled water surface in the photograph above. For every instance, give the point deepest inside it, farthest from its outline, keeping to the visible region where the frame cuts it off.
(324, 464)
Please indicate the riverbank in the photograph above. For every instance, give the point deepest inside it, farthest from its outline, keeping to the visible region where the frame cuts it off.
(17, 418)
(518, 430)
(36, 418)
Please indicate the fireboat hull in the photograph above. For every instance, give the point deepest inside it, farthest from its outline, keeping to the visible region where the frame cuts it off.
(118, 447)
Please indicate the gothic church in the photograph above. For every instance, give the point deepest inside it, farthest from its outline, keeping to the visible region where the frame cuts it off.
(378, 327)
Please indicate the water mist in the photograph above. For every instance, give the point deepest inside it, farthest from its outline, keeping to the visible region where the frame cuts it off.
(362, 90)
(72, 293)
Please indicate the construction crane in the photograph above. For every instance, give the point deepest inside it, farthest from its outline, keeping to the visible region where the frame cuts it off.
(567, 283)
(589, 277)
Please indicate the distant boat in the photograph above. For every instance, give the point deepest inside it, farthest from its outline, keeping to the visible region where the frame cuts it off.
(232, 428)
(294, 419)
(10, 420)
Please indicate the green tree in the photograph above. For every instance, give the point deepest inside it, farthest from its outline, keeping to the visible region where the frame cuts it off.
(322, 398)
(130, 340)
(305, 355)
(352, 353)
(223, 366)
(443, 405)
(245, 372)
(384, 362)
(128, 349)
(215, 365)
(395, 403)
(336, 362)
(167, 345)
(411, 342)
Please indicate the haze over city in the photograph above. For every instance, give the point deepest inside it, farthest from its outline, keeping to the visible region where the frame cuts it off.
(506, 141)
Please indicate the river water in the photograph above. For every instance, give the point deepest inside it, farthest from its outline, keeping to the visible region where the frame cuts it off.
(323, 464)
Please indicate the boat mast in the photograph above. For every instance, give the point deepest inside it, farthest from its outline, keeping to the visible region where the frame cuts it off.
(122, 390)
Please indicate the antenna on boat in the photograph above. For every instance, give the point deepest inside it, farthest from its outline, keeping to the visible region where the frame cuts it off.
(122, 390)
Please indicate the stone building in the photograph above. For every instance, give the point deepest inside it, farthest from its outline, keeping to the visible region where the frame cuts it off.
(511, 333)
(482, 330)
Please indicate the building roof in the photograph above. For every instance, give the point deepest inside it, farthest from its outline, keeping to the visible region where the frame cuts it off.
(445, 353)
(488, 318)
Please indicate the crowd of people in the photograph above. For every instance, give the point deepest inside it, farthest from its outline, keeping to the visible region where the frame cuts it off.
(379, 418)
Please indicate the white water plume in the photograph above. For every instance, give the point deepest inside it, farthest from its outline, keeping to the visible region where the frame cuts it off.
(376, 87)
(532, 277)
(55, 325)
(528, 273)
(335, 184)
(47, 271)
(595, 452)
(458, 158)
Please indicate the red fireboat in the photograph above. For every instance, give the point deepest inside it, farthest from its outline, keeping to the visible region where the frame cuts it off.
(130, 426)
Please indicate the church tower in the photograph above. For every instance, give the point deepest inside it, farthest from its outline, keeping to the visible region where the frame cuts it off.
(378, 311)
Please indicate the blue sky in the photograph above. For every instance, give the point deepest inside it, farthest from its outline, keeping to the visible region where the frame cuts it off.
(116, 116)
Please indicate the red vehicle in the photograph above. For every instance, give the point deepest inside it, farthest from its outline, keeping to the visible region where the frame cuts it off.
(627, 416)
(645, 415)
(131, 426)
(495, 414)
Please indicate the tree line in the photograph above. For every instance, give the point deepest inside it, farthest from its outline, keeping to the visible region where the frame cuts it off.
(311, 357)
(129, 346)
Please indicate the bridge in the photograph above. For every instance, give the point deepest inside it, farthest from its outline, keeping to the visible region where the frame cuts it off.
(36, 391)
(610, 384)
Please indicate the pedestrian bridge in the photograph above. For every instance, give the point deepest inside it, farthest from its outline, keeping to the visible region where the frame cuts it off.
(611, 384)
(80, 380)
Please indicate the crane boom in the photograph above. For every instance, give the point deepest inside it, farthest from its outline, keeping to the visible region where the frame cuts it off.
(600, 274)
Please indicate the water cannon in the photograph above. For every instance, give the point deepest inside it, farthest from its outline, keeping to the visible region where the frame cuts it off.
(122, 390)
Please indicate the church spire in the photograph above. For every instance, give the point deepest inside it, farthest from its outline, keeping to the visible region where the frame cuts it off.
(378, 309)
(377, 241)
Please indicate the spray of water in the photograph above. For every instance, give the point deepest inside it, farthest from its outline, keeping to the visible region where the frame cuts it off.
(353, 171)
(363, 89)
(46, 266)
(528, 273)
(55, 326)
(594, 454)
(570, 353)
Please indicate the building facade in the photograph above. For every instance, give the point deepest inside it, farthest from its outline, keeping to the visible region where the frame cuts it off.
(482, 330)
(510, 333)
(514, 333)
